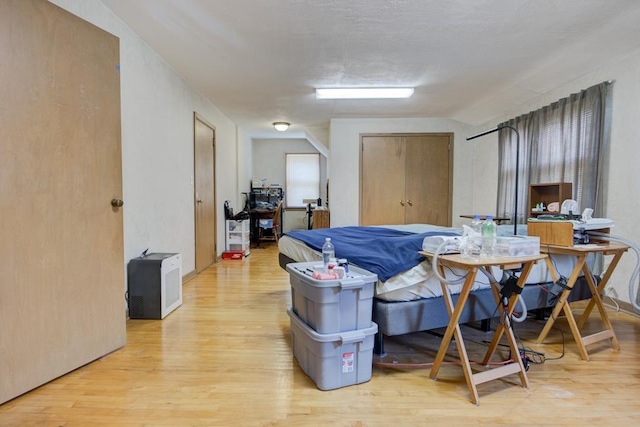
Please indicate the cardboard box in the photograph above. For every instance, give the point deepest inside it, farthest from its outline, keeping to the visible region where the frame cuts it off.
(558, 233)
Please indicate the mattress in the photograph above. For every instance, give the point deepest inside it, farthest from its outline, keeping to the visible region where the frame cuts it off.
(420, 281)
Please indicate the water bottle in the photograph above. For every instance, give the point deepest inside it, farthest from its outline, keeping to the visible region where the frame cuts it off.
(489, 237)
(328, 253)
(474, 244)
(476, 224)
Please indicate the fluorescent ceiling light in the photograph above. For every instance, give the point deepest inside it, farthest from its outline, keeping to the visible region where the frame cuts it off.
(364, 93)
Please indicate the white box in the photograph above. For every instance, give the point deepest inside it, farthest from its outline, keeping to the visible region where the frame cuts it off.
(333, 360)
(330, 306)
(517, 246)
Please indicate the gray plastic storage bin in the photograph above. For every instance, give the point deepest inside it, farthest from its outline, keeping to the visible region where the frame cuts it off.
(333, 360)
(330, 306)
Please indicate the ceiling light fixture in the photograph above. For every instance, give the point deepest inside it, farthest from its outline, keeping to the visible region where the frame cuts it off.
(281, 126)
(364, 93)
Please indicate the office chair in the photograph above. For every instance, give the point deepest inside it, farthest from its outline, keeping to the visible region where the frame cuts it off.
(269, 229)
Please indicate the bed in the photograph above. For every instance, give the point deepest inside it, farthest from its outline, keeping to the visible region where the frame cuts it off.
(408, 296)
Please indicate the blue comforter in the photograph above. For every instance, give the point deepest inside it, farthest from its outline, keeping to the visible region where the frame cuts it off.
(383, 251)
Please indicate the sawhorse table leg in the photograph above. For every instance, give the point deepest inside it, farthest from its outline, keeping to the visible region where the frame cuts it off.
(453, 329)
(563, 305)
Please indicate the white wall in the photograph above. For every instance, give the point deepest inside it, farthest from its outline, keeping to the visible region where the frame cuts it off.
(623, 203)
(157, 145)
(344, 175)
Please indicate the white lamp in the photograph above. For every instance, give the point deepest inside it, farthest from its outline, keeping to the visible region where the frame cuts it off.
(281, 126)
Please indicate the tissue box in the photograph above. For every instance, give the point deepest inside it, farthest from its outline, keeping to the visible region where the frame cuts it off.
(517, 246)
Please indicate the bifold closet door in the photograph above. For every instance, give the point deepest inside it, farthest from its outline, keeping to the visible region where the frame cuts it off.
(406, 179)
(382, 192)
(428, 179)
(62, 301)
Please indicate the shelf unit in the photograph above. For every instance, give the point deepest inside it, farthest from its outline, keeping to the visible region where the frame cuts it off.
(238, 235)
(548, 193)
(269, 196)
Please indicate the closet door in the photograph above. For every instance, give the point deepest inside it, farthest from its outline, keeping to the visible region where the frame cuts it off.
(406, 179)
(428, 179)
(62, 301)
(382, 183)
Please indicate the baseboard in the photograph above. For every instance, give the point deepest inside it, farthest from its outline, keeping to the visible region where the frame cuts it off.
(190, 275)
(616, 304)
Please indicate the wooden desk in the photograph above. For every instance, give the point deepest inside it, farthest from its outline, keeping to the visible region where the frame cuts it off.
(581, 252)
(453, 329)
(497, 219)
(256, 215)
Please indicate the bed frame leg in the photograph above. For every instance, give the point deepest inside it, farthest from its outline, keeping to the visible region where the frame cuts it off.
(485, 325)
(378, 344)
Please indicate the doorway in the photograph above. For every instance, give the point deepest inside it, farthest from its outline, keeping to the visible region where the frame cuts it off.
(204, 192)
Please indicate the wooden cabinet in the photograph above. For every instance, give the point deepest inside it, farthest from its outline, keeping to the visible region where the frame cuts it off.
(406, 179)
(548, 193)
(320, 218)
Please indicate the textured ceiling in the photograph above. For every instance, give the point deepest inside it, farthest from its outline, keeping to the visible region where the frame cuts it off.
(259, 61)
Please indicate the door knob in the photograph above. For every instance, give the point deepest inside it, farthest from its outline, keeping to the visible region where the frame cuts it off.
(117, 203)
(409, 203)
(401, 203)
(199, 201)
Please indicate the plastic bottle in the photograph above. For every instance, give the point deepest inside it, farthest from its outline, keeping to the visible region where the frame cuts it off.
(474, 244)
(328, 253)
(476, 224)
(489, 237)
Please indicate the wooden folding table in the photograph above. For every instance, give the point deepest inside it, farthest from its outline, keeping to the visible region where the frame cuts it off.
(453, 329)
(581, 252)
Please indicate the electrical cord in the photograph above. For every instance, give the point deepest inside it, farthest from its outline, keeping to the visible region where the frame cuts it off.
(633, 285)
(441, 250)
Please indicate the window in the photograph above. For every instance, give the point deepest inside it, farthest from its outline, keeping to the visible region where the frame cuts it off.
(562, 142)
(303, 179)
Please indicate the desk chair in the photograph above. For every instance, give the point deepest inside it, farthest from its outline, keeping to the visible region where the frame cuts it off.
(269, 229)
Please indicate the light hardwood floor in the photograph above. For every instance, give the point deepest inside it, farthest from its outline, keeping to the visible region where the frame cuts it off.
(224, 358)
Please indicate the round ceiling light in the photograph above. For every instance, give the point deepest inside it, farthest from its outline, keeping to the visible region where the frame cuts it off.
(281, 126)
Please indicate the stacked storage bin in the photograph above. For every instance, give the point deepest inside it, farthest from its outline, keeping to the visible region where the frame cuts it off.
(331, 326)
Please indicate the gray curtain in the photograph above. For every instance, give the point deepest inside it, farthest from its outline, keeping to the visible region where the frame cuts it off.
(567, 141)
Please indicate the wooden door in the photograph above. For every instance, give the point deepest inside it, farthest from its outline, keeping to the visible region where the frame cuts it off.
(428, 179)
(382, 180)
(406, 179)
(62, 301)
(205, 207)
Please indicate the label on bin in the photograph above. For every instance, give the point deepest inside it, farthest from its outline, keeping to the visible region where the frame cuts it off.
(348, 361)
